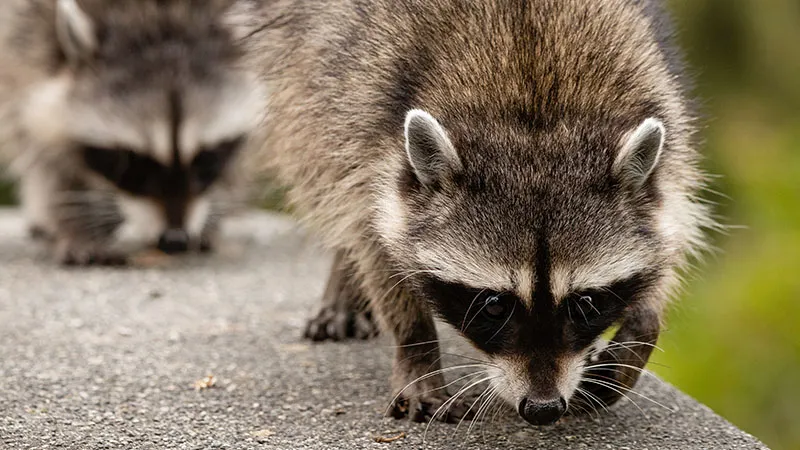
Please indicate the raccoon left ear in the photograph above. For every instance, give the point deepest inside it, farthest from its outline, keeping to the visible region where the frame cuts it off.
(429, 150)
(640, 154)
(75, 30)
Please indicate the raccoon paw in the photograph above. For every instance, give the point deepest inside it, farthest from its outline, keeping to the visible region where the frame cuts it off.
(428, 406)
(70, 255)
(332, 323)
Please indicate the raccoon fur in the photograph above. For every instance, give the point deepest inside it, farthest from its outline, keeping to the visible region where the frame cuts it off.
(124, 116)
(524, 170)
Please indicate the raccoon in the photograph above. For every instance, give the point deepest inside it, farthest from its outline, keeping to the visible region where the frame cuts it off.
(125, 116)
(525, 171)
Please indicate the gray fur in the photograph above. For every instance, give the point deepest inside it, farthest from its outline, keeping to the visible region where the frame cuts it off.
(538, 100)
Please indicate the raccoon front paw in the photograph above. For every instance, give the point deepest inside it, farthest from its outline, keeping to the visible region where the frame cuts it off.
(421, 406)
(74, 255)
(334, 324)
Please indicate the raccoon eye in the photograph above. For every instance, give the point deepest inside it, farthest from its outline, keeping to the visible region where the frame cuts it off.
(585, 303)
(128, 170)
(495, 307)
(209, 164)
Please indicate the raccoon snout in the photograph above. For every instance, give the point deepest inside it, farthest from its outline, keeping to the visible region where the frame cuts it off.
(173, 241)
(542, 413)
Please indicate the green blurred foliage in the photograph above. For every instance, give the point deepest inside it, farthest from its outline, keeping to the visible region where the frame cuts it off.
(733, 340)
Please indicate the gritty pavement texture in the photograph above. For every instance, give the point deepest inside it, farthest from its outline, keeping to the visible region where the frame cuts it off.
(109, 358)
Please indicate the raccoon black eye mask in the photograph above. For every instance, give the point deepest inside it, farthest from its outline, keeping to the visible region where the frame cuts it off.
(524, 171)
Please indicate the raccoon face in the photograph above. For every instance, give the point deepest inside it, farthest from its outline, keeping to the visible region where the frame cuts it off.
(154, 104)
(531, 243)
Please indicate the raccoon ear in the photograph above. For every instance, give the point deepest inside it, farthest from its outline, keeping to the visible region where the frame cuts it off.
(640, 154)
(430, 152)
(75, 31)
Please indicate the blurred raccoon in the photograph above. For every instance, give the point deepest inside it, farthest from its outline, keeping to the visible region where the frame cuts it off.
(526, 171)
(124, 116)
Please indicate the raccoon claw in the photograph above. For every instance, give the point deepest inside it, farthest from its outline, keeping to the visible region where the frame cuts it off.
(335, 325)
(431, 406)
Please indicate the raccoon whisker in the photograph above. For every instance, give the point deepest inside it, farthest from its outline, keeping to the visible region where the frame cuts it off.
(453, 399)
(615, 295)
(628, 390)
(513, 308)
(614, 388)
(93, 228)
(483, 410)
(81, 214)
(626, 366)
(417, 344)
(410, 272)
(593, 307)
(635, 343)
(429, 375)
(592, 398)
(83, 202)
(499, 406)
(579, 408)
(471, 375)
(620, 372)
(582, 313)
(469, 358)
(436, 361)
(87, 219)
(617, 345)
(613, 349)
(466, 314)
(486, 392)
(582, 408)
(475, 316)
(640, 370)
(388, 291)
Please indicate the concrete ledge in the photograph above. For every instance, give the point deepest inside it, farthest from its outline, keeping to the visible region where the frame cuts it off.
(106, 358)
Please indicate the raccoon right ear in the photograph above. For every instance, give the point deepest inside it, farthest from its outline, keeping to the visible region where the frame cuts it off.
(75, 31)
(430, 152)
(640, 154)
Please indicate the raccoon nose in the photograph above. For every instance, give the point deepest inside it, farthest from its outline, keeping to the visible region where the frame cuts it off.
(174, 240)
(542, 413)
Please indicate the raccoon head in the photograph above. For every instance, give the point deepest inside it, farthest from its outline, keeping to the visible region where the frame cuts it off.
(153, 100)
(531, 243)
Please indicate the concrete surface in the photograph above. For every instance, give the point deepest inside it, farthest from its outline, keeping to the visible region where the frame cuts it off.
(104, 358)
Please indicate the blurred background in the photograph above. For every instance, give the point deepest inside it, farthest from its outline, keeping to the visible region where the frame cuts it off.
(733, 340)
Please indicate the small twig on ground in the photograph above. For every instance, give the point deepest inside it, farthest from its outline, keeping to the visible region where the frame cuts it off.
(389, 439)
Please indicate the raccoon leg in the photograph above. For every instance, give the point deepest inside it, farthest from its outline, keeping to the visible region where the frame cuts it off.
(417, 377)
(344, 312)
(615, 370)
